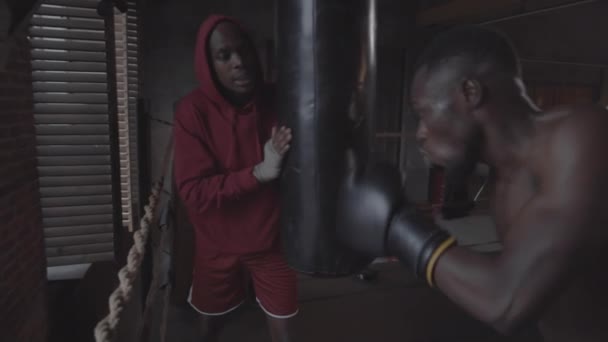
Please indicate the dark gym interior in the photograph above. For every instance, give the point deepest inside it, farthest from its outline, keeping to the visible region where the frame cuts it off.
(88, 93)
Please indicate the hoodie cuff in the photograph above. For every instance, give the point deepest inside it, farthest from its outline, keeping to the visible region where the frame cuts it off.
(246, 181)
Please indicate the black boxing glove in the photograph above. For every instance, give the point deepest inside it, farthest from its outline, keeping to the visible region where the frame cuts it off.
(373, 218)
(417, 242)
(368, 199)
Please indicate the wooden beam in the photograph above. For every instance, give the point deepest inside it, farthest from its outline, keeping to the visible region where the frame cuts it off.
(463, 10)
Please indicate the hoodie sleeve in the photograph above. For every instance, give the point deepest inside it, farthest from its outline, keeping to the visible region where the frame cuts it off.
(198, 182)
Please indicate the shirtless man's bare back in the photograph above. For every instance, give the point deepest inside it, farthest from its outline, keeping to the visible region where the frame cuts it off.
(560, 167)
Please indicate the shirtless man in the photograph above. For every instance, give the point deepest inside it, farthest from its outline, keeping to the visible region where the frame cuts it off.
(550, 179)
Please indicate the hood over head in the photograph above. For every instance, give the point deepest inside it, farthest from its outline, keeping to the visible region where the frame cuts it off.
(202, 64)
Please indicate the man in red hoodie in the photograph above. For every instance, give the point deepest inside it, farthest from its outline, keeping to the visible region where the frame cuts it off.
(228, 155)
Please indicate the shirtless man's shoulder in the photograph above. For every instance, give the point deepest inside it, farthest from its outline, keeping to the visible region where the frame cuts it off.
(570, 119)
(571, 134)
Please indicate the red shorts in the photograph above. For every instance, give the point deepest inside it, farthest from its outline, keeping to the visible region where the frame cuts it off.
(218, 283)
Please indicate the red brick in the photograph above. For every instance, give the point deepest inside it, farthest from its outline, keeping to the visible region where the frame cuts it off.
(5, 83)
(29, 132)
(5, 132)
(6, 200)
(11, 164)
(7, 144)
(7, 215)
(16, 130)
(12, 92)
(10, 157)
(27, 137)
(11, 118)
(22, 259)
(8, 172)
(11, 269)
(27, 141)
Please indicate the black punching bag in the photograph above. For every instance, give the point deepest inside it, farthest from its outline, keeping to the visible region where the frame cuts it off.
(325, 94)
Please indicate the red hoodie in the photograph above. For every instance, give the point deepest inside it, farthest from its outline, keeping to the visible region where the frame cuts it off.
(216, 147)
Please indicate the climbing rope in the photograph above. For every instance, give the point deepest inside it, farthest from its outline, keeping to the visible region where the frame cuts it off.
(105, 329)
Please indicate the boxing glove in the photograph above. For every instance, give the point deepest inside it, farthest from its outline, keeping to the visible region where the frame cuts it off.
(367, 201)
(374, 218)
(417, 242)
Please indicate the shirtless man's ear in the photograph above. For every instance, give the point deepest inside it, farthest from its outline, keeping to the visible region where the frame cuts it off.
(472, 92)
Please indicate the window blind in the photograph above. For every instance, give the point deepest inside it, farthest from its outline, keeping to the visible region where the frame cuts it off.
(72, 132)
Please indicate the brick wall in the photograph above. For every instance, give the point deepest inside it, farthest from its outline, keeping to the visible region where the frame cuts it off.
(23, 314)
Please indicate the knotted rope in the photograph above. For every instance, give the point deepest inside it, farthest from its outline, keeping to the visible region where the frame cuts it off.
(106, 328)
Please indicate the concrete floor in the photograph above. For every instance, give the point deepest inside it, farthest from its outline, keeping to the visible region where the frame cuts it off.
(393, 307)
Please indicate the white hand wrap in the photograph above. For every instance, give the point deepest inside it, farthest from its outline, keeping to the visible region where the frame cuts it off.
(270, 168)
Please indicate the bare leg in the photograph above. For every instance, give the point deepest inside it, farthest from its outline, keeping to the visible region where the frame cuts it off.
(210, 327)
(280, 330)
